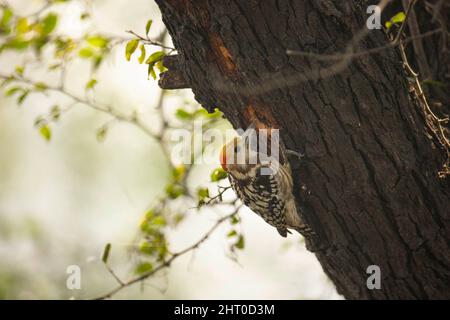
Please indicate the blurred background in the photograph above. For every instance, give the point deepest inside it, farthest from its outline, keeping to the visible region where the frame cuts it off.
(87, 179)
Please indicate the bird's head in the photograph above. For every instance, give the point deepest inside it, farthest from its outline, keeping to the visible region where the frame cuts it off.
(237, 158)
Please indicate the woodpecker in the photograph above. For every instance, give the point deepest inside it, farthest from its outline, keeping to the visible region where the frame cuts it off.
(263, 186)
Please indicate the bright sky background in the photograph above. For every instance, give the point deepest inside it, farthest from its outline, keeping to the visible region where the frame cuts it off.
(61, 202)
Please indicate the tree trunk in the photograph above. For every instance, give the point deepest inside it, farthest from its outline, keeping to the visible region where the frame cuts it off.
(368, 184)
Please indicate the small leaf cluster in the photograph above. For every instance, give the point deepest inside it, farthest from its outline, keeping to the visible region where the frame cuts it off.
(95, 48)
(22, 91)
(396, 19)
(154, 60)
(236, 238)
(176, 188)
(31, 34)
(21, 33)
(34, 33)
(153, 246)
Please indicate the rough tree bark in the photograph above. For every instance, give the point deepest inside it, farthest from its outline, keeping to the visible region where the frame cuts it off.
(368, 183)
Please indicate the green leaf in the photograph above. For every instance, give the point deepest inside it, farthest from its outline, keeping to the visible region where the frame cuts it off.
(216, 114)
(22, 97)
(40, 86)
(45, 132)
(55, 113)
(234, 220)
(201, 113)
(159, 65)
(205, 114)
(203, 193)
(178, 218)
(97, 41)
(144, 226)
(6, 17)
(5, 82)
(159, 220)
(39, 121)
(143, 54)
(84, 16)
(11, 91)
(173, 191)
(155, 57)
(19, 70)
(54, 66)
(399, 17)
(39, 43)
(22, 25)
(91, 84)
(101, 133)
(86, 53)
(97, 61)
(131, 48)
(232, 233)
(149, 214)
(240, 244)
(49, 23)
(148, 26)
(146, 248)
(64, 47)
(151, 71)
(106, 252)
(178, 172)
(396, 19)
(152, 222)
(218, 174)
(144, 267)
(17, 43)
(183, 114)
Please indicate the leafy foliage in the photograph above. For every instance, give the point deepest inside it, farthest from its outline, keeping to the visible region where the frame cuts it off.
(154, 60)
(38, 32)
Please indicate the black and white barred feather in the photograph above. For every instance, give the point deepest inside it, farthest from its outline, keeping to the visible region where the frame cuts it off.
(262, 182)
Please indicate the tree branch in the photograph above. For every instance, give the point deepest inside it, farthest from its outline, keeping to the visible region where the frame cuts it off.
(132, 118)
(168, 262)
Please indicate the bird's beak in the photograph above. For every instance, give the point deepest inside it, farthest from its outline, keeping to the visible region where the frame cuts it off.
(223, 157)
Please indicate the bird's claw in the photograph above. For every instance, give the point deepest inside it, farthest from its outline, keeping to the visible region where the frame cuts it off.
(295, 153)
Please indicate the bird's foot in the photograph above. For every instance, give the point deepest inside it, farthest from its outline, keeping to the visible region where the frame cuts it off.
(295, 153)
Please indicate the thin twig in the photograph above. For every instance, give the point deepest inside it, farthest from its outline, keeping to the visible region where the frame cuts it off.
(104, 109)
(275, 82)
(111, 271)
(340, 56)
(218, 197)
(405, 21)
(435, 125)
(149, 41)
(414, 30)
(168, 262)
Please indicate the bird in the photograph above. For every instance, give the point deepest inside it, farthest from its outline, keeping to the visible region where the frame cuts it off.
(263, 184)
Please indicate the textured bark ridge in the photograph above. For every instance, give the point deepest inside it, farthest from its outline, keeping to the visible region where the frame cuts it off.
(368, 183)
